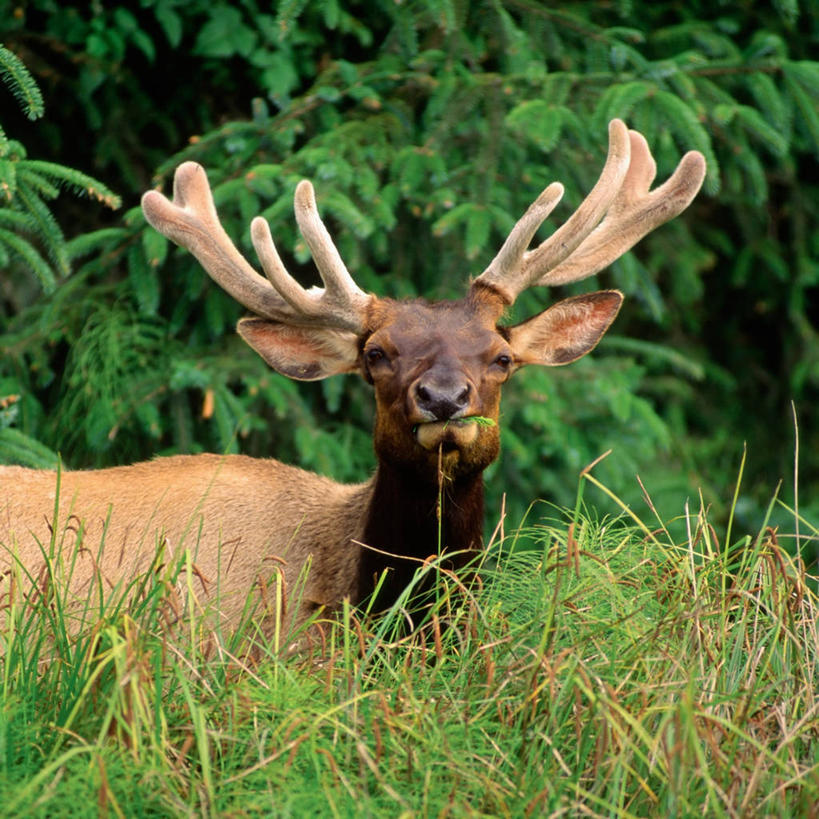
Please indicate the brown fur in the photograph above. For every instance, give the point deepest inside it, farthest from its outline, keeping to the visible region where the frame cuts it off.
(242, 519)
(249, 522)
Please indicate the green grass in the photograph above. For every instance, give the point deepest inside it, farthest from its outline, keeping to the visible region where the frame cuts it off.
(597, 668)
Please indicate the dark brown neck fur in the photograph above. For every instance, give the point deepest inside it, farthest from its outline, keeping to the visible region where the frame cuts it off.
(402, 520)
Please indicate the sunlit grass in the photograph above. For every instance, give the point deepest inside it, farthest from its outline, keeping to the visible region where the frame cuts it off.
(597, 667)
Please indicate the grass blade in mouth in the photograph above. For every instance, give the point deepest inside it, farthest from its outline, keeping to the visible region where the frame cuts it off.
(480, 420)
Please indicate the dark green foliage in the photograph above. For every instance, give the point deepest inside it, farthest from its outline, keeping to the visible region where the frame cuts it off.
(427, 129)
(19, 81)
(28, 229)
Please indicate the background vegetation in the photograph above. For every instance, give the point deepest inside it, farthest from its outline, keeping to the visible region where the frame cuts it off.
(428, 127)
(610, 666)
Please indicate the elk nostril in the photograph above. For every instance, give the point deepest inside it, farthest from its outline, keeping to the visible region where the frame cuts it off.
(442, 401)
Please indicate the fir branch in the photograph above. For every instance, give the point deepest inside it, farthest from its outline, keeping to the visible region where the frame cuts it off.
(26, 251)
(807, 107)
(18, 448)
(36, 182)
(95, 241)
(22, 85)
(77, 181)
(16, 219)
(46, 227)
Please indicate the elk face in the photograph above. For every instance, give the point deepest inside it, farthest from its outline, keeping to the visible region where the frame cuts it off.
(435, 367)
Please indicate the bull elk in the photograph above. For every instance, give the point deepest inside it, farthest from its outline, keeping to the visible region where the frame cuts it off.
(436, 368)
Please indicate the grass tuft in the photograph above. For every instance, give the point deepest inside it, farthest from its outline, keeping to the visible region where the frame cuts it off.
(595, 667)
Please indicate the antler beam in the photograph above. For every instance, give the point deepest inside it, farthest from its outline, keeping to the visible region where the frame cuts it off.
(615, 215)
(341, 300)
(191, 221)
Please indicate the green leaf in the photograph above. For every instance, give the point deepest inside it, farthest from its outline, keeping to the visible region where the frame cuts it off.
(619, 100)
(16, 219)
(46, 226)
(806, 73)
(288, 12)
(154, 246)
(225, 34)
(78, 181)
(327, 93)
(347, 213)
(759, 128)
(452, 218)
(170, 21)
(771, 102)
(145, 44)
(690, 133)
(37, 184)
(331, 13)
(227, 413)
(94, 241)
(333, 391)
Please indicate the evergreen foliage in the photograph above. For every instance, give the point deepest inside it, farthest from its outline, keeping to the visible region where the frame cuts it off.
(427, 128)
(31, 240)
(27, 184)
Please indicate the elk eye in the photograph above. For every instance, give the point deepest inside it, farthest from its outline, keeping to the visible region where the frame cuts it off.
(504, 360)
(374, 355)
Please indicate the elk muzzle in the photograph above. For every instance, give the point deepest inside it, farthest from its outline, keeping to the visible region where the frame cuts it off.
(442, 399)
(441, 396)
(452, 434)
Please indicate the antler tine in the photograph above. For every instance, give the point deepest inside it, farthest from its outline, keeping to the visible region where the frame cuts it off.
(634, 212)
(515, 268)
(191, 221)
(340, 302)
(327, 258)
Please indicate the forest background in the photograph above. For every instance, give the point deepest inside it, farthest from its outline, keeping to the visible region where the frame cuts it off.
(427, 127)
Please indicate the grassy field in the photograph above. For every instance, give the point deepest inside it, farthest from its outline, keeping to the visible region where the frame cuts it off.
(599, 667)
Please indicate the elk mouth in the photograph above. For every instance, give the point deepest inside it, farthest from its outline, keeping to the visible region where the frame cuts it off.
(452, 434)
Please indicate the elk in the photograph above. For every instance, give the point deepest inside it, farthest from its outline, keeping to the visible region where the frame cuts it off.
(435, 368)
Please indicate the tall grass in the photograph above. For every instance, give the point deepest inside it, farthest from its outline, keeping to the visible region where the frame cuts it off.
(596, 667)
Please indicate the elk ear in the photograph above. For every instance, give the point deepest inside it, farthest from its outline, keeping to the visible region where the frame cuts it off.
(303, 353)
(565, 331)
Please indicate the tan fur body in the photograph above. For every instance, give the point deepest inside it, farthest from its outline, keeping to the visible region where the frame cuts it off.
(245, 522)
(435, 368)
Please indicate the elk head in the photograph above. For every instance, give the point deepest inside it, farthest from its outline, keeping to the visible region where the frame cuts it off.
(435, 366)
